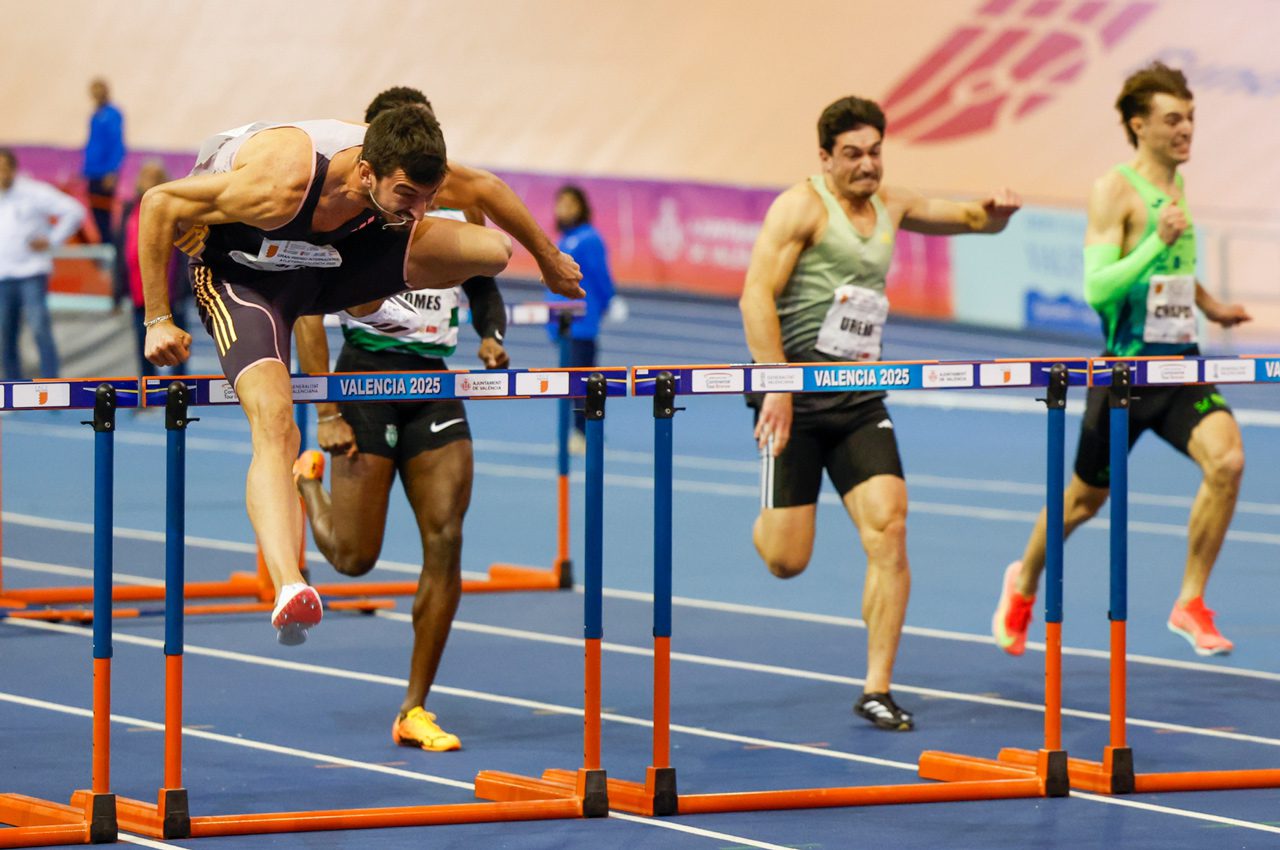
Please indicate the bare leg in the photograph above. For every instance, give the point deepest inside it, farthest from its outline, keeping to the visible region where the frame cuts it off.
(878, 507)
(438, 484)
(348, 524)
(267, 399)
(443, 253)
(1081, 503)
(784, 538)
(1216, 446)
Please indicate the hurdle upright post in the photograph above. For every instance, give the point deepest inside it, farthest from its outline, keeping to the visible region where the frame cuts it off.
(660, 778)
(1117, 760)
(100, 810)
(172, 803)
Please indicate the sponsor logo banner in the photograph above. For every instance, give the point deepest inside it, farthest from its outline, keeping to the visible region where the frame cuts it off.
(481, 384)
(530, 314)
(1230, 371)
(310, 389)
(221, 392)
(1270, 370)
(718, 380)
(845, 378)
(1172, 371)
(776, 380)
(542, 383)
(959, 375)
(1004, 375)
(41, 395)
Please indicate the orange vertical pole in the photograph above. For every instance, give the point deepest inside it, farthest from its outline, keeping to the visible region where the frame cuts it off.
(562, 526)
(173, 722)
(1118, 700)
(101, 725)
(591, 707)
(1053, 687)
(661, 702)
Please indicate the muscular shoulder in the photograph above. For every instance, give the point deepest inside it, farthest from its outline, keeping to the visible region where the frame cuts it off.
(279, 162)
(798, 213)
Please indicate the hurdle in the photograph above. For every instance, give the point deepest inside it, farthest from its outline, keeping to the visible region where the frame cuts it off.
(1115, 773)
(658, 793)
(169, 817)
(91, 816)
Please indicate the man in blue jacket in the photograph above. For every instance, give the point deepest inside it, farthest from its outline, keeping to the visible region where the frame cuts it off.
(580, 240)
(103, 155)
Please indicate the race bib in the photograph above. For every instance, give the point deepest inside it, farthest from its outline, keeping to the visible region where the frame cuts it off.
(1171, 309)
(280, 256)
(854, 324)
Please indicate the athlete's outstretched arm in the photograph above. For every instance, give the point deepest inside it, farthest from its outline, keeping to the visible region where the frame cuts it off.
(788, 228)
(940, 217)
(471, 188)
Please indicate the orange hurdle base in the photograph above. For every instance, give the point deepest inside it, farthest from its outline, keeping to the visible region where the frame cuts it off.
(40, 823)
(1096, 777)
(590, 787)
(144, 818)
(1050, 766)
(655, 797)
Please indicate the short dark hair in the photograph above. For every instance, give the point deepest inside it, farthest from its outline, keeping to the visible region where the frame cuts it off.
(7, 153)
(1141, 86)
(392, 97)
(584, 208)
(846, 114)
(407, 137)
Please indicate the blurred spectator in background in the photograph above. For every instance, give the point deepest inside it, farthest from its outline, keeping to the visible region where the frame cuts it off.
(128, 276)
(103, 154)
(580, 240)
(34, 218)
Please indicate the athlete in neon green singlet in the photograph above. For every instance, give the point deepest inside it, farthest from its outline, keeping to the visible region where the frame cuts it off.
(1140, 277)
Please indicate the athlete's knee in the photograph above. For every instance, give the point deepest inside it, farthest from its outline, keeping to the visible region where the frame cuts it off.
(445, 540)
(1225, 467)
(1082, 503)
(786, 564)
(353, 562)
(779, 552)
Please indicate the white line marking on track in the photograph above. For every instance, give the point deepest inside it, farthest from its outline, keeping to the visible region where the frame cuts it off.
(547, 707)
(689, 602)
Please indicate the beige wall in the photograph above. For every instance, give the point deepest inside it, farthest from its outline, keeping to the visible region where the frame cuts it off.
(680, 89)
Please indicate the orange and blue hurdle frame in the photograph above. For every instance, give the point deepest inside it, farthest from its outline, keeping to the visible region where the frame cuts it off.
(1115, 773)
(91, 817)
(658, 794)
(169, 817)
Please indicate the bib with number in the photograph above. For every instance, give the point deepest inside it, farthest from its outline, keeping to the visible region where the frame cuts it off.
(1171, 313)
(854, 324)
(280, 256)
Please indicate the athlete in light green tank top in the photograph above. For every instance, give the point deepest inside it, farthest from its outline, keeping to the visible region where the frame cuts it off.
(815, 290)
(1124, 306)
(843, 256)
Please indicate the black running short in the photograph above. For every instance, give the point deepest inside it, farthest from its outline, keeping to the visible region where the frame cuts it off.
(1172, 412)
(251, 319)
(400, 429)
(851, 444)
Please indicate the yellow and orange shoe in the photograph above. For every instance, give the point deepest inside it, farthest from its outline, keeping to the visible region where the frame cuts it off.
(1195, 623)
(418, 728)
(309, 466)
(1013, 613)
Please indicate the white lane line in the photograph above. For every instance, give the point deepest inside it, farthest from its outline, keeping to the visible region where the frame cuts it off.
(146, 842)
(576, 643)
(546, 707)
(338, 761)
(704, 604)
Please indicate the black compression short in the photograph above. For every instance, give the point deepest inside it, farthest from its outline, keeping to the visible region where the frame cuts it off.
(852, 445)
